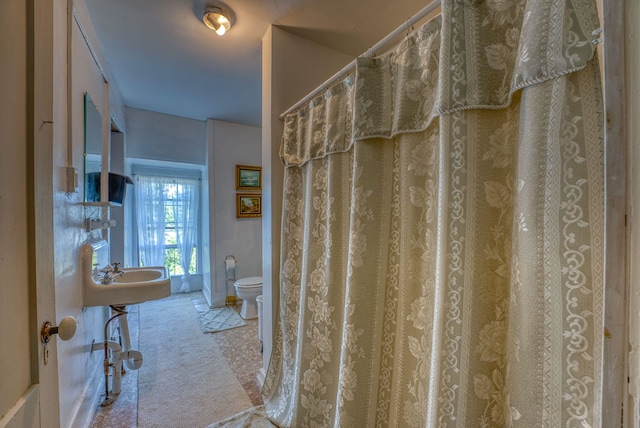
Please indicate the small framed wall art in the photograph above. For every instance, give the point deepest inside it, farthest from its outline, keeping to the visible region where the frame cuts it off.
(248, 177)
(248, 205)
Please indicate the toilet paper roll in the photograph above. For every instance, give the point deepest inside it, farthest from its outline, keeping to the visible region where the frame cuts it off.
(230, 268)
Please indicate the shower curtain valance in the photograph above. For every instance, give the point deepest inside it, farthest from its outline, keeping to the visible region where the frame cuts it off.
(475, 61)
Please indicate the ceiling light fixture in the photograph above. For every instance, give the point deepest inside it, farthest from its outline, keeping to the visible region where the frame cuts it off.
(217, 19)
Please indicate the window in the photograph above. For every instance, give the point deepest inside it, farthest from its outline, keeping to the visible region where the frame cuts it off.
(174, 204)
(167, 222)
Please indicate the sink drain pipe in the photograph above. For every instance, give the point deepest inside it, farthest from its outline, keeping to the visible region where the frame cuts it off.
(125, 340)
(119, 312)
(132, 357)
(120, 353)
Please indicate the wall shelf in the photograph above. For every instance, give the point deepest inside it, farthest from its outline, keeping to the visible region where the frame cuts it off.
(97, 215)
(97, 204)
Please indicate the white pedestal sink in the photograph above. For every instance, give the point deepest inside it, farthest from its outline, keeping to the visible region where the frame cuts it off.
(133, 285)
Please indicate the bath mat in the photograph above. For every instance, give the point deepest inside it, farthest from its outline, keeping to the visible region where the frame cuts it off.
(219, 319)
(254, 417)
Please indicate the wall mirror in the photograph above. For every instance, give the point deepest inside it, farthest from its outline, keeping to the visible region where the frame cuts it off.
(92, 150)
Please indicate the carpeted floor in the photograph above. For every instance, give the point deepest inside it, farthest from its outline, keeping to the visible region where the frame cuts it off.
(254, 417)
(242, 349)
(183, 373)
(234, 355)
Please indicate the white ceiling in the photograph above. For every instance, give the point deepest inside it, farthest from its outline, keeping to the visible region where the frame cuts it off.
(164, 59)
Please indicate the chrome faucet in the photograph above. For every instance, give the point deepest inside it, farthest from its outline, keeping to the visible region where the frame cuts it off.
(116, 269)
(109, 273)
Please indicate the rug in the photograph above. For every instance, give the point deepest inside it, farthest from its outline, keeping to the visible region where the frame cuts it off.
(219, 319)
(254, 417)
(184, 381)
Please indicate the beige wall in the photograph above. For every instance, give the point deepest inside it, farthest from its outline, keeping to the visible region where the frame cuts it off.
(291, 68)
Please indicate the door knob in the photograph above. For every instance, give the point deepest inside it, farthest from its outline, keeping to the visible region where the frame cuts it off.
(65, 330)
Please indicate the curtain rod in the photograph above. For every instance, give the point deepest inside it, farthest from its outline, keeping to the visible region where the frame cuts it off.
(395, 33)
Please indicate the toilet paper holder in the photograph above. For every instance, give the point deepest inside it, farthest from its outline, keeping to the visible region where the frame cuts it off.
(230, 275)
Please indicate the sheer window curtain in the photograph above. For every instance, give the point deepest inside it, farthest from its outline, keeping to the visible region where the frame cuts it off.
(155, 197)
(443, 218)
(186, 226)
(150, 217)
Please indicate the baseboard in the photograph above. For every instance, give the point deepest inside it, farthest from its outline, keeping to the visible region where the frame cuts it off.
(206, 290)
(89, 400)
(24, 413)
(215, 299)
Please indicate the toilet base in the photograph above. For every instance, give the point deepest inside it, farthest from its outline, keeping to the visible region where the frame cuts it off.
(248, 289)
(249, 310)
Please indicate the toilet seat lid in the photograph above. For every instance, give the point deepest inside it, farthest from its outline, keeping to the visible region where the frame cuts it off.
(251, 280)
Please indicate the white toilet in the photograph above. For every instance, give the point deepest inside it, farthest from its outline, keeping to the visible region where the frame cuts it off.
(248, 289)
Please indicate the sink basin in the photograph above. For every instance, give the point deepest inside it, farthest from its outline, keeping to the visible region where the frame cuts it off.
(135, 285)
(131, 275)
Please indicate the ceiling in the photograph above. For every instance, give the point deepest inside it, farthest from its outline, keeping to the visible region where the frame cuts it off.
(164, 59)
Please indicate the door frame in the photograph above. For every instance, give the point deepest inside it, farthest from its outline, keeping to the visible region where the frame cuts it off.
(621, 366)
(48, 124)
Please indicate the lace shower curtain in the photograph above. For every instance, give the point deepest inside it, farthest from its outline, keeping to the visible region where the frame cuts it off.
(442, 234)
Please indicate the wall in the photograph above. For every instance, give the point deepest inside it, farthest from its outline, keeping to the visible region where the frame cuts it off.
(291, 68)
(231, 144)
(77, 366)
(164, 137)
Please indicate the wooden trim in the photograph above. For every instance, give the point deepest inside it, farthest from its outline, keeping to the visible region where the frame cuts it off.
(632, 92)
(614, 402)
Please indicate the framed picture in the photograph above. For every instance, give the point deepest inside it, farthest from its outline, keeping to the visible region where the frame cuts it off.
(248, 205)
(248, 177)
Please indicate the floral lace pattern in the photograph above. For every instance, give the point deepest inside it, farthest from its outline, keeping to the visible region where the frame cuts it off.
(442, 241)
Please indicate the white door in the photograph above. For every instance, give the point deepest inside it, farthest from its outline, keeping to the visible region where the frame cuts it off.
(28, 386)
